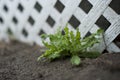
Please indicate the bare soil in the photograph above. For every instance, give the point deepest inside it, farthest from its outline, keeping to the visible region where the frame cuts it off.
(18, 61)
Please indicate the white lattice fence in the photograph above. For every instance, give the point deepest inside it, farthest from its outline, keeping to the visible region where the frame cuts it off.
(28, 19)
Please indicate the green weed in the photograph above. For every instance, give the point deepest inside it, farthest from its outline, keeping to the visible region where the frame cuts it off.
(70, 44)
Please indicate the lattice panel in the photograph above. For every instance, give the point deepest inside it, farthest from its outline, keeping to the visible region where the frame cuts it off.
(26, 20)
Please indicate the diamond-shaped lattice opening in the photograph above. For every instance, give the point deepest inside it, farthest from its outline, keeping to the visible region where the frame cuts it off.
(63, 32)
(1, 20)
(41, 32)
(117, 41)
(20, 7)
(88, 34)
(74, 22)
(38, 7)
(103, 23)
(24, 32)
(14, 19)
(5, 8)
(85, 5)
(9, 31)
(115, 5)
(59, 6)
(31, 20)
(105, 51)
(50, 21)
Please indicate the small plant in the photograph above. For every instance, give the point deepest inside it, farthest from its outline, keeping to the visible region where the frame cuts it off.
(69, 44)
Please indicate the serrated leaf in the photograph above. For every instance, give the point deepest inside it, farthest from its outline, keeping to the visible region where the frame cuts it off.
(99, 31)
(78, 37)
(72, 36)
(66, 32)
(44, 36)
(46, 44)
(75, 60)
(54, 55)
(40, 57)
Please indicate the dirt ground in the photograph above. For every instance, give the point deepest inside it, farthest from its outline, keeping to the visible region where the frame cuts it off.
(18, 61)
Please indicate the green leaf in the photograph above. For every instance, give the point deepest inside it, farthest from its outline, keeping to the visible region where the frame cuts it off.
(72, 36)
(75, 60)
(46, 44)
(39, 58)
(99, 31)
(55, 55)
(44, 36)
(78, 37)
(66, 31)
